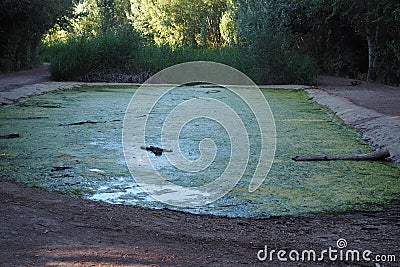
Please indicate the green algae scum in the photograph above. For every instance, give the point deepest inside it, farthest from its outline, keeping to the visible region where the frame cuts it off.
(70, 142)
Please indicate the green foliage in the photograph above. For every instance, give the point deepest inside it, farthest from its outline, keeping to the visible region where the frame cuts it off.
(177, 31)
(389, 67)
(90, 17)
(98, 38)
(264, 29)
(179, 22)
(229, 25)
(274, 41)
(22, 24)
(123, 52)
(348, 38)
(109, 52)
(155, 58)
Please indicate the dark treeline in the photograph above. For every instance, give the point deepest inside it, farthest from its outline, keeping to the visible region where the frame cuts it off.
(22, 25)
(273, 41)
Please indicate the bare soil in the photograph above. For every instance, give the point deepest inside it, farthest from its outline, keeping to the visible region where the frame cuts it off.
(381, 98)
(9, 81)
(39, 228)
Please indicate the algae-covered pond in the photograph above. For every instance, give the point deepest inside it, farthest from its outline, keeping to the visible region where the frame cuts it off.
(71, 142)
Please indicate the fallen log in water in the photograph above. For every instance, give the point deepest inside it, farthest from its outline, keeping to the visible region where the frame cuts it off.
(380, 155)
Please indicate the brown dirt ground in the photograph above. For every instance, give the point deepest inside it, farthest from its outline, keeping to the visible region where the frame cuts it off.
(39, 228)
(381, 98)
(9, 81)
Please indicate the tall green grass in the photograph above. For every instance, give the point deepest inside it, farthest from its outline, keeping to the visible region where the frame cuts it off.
(123, 52)
(110, 52)
(155, 58)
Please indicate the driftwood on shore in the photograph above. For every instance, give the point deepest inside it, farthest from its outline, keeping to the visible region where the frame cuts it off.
(380, 155)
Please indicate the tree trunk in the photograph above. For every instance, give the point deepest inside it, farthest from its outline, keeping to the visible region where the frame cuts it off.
(372, 40)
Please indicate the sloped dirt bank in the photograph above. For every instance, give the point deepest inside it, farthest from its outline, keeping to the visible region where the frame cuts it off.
(373, 109)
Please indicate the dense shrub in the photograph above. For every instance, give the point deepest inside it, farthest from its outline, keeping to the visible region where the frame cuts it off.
(155, 58)
(258, 43)
(123, 52)
(109, 52)
(264, 30)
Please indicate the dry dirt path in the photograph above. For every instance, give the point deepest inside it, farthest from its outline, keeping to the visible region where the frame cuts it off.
(9, 81)
(381, 98)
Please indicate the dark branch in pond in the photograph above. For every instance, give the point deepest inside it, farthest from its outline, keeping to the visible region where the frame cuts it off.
(82, 122)
(9, 136)
(380, 155)
(60, 168)
(156, 150)
(87, 122)
(213, 91)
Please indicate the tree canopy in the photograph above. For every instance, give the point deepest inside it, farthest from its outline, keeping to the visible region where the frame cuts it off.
(358, 38)
(22, 24)
(180, 22)
(285, 39)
